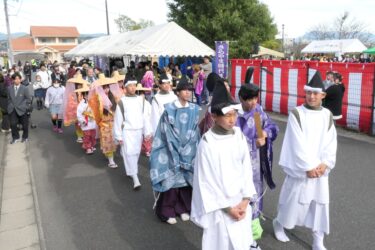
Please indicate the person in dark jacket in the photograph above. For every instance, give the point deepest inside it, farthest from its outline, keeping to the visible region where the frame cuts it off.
(334, 96)
(27, 71)
(19, 106)
(5, 124)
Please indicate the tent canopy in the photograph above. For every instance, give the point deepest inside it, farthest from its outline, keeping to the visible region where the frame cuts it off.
(335, 46)
(270, 52)
(370, 51)
(161, 40)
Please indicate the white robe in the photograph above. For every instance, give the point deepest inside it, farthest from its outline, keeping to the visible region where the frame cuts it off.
(157, 107)
(131, 130)
(222, 177)
(81, 108)
(305, 201)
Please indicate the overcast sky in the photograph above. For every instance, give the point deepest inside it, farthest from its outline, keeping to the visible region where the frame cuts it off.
(88, 16)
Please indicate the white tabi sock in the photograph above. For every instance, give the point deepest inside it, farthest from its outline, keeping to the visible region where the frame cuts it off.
(318, 243)
(279, 231)
(136, 181)
(110, 160)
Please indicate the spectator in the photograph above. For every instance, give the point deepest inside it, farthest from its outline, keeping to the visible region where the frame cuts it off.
(207, 69)
(5, 125)
(329, 79)
(198, 82)
(90, 77)
(57, 76)
(27, 71)
(19, 104)
(46, 79)
(334, 96)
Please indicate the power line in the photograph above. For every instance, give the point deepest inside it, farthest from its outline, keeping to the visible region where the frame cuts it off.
(97, 8)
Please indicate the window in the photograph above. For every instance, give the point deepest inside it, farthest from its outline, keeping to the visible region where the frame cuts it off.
(46, 40)
(67, 40)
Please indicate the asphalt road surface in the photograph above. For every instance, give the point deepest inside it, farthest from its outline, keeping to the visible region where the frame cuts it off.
(85, 205)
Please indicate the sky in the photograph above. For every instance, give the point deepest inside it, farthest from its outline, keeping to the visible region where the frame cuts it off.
(298, 16)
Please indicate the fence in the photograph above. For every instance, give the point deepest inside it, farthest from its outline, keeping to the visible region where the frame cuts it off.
(282, 82)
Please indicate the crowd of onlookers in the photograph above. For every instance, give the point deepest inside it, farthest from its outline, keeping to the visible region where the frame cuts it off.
(38, 76)
(324, 58)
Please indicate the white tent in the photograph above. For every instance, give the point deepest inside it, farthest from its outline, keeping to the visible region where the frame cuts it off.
(263, 51)
(335, 46)
(161, 40)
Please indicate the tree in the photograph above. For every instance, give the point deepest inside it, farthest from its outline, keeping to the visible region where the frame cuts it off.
(343, 27)
(273, 44)
(242, 22)
(125, 23)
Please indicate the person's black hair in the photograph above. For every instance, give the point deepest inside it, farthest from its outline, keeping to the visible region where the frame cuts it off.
(337, 75)
(246, 94)
(217, 110)
(16, 74)
(73, 63)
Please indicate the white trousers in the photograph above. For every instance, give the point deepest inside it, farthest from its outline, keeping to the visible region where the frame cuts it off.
(131, 150)
(131, 164)
(228, 234)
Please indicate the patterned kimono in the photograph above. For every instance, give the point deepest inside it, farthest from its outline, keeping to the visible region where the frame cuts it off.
(261, 158)
(171, 163)
(107, 142)
(104, 120)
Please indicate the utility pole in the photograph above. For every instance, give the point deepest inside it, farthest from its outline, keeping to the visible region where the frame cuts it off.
(282, 37)
(10, 49)
(106, 13)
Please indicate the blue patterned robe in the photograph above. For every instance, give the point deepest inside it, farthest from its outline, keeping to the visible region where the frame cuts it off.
(174, 147)
(261, 158)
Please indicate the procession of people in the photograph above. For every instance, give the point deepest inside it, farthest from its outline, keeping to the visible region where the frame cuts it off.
(213, 170)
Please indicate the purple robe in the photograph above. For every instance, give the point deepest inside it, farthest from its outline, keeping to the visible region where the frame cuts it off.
(261, 158)
(206, 123)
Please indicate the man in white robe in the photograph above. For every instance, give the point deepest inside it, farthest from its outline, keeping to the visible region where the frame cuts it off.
(308, 155)
(223, 182)
(130, 126)
(164, 96)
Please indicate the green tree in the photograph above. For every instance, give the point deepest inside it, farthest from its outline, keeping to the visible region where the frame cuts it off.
(125, 23)
(272, 44)
(242, 22)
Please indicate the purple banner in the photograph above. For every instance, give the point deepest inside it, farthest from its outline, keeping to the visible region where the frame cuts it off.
(221, 62)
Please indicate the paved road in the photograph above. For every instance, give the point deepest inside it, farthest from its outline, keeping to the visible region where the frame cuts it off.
(86, 205)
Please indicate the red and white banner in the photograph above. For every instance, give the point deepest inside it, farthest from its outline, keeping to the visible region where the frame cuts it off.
(282, 83)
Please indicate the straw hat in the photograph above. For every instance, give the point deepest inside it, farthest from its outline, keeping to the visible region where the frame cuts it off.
(102, 80)
(78, 79)
(85, 88)
(116, 75)
(141, 88)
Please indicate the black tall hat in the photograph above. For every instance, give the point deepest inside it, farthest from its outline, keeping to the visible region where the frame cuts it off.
(315, 84)
(248, 91)
(212, 79)
(249, 74)
(164, 78)
(222, 102)
(183, 84)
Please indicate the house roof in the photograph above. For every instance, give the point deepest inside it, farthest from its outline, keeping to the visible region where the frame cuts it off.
(53, 31)
(25, 43)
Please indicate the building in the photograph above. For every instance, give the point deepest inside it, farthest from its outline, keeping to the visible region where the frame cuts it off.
(53, 41)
